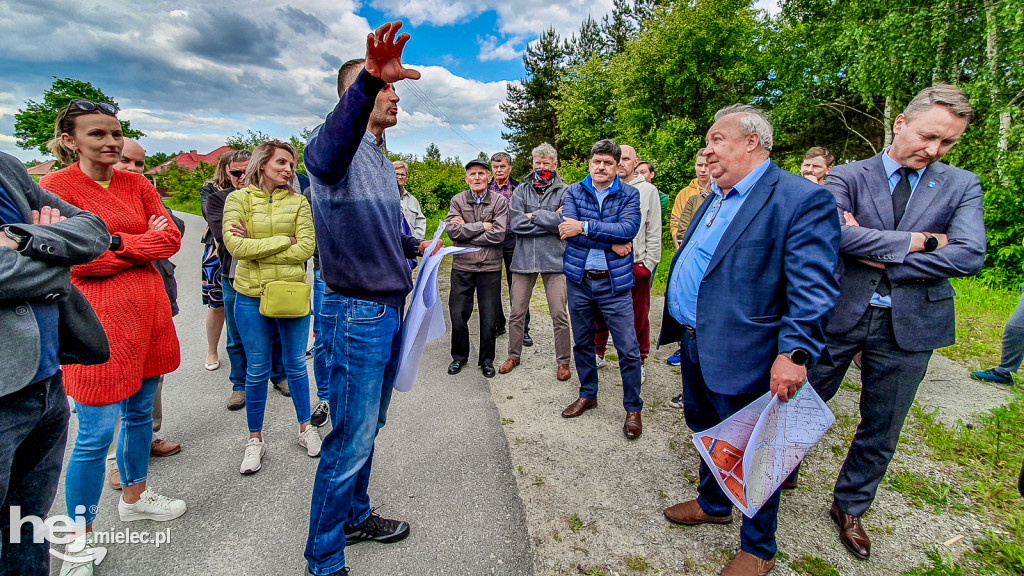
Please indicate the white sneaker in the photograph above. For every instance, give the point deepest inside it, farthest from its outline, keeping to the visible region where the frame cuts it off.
(79, 557)
(600, 361)
(151, 506)
(255, 449)
(310, 440)
(643, 374)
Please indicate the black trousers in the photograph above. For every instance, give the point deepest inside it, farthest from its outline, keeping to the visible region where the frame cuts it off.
(890, 376)
(487, 286)
(508, 248)
(34, 430)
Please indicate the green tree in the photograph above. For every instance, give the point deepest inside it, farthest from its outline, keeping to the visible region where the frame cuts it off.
(34, 124)
(157, 158)
(433, 153)
(248, 140)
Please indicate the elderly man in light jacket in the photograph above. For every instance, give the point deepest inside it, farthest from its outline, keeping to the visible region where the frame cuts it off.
(646, 255)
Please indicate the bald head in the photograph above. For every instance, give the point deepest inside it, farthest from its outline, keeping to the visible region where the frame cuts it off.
(628, 162)
(133, 158)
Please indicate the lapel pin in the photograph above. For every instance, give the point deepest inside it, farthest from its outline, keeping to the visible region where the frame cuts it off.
(931, 184)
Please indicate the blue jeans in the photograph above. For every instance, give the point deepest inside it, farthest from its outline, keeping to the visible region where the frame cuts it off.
(362, 341)
(87, 466)
(1013, 342)
(257, 336)
(705, 409)
(588, 301)
(320, 368)
(34, 430)
(236, 351)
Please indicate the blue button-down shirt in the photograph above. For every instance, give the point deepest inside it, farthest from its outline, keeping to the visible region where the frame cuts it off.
(596, 259)
(693, 262)
(891, 167)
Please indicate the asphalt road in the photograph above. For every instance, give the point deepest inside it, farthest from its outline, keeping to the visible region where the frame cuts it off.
(442, 463)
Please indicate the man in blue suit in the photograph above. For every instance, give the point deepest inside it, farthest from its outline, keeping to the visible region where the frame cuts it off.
(910, 224)
(750, 291)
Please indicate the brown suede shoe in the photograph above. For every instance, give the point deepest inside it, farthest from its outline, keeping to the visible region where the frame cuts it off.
(689, 513)
(633, 427)
(508, 366)
(792, 481)
(114, 479)
(163, 448)
(851, 533)
(746, 564)
(282, 387)
(578, 407)
(563, 372)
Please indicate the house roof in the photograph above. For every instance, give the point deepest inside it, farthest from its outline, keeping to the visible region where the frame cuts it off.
(42, 169)
(191, 159)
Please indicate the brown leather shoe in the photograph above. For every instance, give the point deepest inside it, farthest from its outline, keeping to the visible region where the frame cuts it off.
(633, 427)
(563, 372)
(792, 481)
(508, 366)
(114, 479)
(689, 513)
(851, 533)
(163, 448)
(578, 407)
(746, 564)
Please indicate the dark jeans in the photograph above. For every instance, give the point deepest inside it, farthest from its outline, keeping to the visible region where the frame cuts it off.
(487, 286)
(641, 294)
(320, 369)
(508, 248)
(705, 409)
(236, 351)
(588, 301)
(889, 380)
(33, 433)
(363, 340)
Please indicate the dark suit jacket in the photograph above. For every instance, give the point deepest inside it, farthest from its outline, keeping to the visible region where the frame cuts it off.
(41, 272)
(770, 285)
(947, 200)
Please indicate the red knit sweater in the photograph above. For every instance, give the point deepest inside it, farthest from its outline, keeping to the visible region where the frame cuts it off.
(124, 288)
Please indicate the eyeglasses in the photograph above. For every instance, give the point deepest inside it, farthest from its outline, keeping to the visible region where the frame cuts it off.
(236, 173)
(88, 106)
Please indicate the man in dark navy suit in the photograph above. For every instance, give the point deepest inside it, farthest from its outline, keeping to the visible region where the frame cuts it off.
(750, 291)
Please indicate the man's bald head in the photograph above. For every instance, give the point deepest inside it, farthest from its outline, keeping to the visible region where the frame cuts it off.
(627, 163)
(133, 157)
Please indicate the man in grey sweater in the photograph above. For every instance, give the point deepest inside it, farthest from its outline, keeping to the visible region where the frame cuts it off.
(536, 212)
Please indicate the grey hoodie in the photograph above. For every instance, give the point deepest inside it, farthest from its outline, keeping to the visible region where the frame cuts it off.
(538, 246)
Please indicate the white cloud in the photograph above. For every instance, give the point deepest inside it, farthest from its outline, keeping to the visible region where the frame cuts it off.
(490, 49)
(529, 17)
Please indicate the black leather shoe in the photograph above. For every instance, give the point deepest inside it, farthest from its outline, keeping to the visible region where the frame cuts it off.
(488, 370)
(500, 331)
(527, 341)
(455, 367)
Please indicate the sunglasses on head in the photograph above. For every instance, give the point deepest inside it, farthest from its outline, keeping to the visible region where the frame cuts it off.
(88, 106)
(236, 173)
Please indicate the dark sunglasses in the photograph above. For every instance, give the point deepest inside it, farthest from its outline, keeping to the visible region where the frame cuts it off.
(236, 173)
(88, 106)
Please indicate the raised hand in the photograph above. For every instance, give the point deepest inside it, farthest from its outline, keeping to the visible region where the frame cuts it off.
(384, 54)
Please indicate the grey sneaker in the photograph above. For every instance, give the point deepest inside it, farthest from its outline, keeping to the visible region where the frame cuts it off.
(600, 361)
(151, 506)
(310, 440)
(80, 556)
(252, 461)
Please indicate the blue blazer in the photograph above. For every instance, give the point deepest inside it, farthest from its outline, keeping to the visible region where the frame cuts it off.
(770, 286)
(948, 201)
(617, 221)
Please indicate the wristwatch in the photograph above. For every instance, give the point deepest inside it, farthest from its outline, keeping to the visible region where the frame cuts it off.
(798, 356)
(930, 242)
(115, 243)
(16, 237)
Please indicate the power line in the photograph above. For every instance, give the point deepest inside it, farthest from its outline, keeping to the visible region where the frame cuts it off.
(437, 112)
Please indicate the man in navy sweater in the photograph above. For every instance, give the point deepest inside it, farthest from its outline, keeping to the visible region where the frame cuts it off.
(363, 255)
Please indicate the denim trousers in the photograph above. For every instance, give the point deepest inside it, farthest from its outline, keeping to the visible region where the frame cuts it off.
(33, 433)
(363, 341)
(1013, 342)
(588, 301)
(236, 350)
(705, 409)
(320, 368)
(96, 424)
(257, 336)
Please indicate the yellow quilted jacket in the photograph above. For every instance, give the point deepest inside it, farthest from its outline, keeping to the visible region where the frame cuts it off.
(267, 253)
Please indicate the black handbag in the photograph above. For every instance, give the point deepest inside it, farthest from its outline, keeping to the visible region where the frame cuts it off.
(81, 338)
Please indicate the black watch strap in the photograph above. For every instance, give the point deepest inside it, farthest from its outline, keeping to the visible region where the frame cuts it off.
(20, 239)
(115, 242)
(798, 356)
(930, 242)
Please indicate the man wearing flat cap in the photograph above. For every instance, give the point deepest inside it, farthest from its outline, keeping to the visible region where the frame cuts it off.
(478, 218)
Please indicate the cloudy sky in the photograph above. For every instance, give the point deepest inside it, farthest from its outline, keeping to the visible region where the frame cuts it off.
(190, 73)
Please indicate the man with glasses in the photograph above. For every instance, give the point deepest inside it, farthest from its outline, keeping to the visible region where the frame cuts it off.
(410, 205)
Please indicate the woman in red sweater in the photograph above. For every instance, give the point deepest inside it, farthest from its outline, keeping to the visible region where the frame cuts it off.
(128, 295)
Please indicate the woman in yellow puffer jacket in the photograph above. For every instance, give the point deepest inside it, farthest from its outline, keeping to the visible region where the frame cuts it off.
(268, 228)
